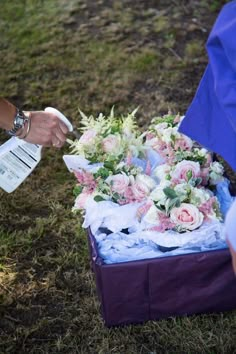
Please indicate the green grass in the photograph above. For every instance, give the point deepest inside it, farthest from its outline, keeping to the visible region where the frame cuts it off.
(92, 55)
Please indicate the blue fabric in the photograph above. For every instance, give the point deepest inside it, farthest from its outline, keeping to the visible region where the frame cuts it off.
(211, 117)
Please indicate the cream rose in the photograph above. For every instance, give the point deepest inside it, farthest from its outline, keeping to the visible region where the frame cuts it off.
(111, 144)
(186, 216)
(88, 137)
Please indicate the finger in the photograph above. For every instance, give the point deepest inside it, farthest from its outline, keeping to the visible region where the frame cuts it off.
(56, 142)
(63, 127)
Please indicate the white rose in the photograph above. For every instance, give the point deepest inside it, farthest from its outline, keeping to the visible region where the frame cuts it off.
(199, 195)
(146, 181)
(158, 195)
(186, 216)
(168, 133)
(162, 171)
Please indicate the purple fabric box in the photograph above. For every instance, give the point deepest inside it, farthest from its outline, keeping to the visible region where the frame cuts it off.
(138, 291)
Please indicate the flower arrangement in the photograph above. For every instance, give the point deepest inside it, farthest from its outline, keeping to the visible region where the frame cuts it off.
(163, 172)
(143, 193)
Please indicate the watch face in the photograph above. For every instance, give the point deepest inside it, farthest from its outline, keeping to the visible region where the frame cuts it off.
(18, 123)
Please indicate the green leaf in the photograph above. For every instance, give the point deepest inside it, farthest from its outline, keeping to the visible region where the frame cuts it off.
(189, 174)
(98, 198)
(170, 193)
(77, 190)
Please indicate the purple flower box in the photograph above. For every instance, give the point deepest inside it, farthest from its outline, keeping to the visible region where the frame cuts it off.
(138, 291)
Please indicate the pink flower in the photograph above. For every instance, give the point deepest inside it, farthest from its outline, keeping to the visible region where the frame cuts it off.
(143, 209)
(86, 179)
(88, 137)
(140, 190)
(207, 208)
(182, 169)
(81, 200)
(159, 221)
(183, 143)
(204, 175)
(111, 144)
(119, 183)
(187, 217)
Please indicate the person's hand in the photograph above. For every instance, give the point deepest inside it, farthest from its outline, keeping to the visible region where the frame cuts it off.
(46, 129)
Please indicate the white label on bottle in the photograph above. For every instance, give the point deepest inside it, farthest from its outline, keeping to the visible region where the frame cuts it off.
(17, 160)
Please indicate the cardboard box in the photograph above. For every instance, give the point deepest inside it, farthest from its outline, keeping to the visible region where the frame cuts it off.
(152, 289)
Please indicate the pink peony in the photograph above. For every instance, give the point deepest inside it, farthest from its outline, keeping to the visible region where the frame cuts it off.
(187, 216)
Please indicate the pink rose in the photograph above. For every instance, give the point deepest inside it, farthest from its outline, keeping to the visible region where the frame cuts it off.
(140, 190)
(182, 170)
(119, 183)
(187, 217)
(111, 144)
(88, 137)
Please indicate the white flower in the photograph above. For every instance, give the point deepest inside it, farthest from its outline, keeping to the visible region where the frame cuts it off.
(146, 181)
(160, 127)
(161, 171)
(199, 195)
(186, 217)
(216, 172)
(202, 152)
(152, 216)
(182, 190)
(158, 195)
(167, 134)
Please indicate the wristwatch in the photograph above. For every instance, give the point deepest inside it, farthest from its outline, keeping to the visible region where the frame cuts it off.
(18, 122)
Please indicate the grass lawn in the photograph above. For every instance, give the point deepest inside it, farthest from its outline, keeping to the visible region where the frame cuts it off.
(87, 54)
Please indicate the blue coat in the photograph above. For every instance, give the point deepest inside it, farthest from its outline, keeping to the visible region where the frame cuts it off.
(211, 117)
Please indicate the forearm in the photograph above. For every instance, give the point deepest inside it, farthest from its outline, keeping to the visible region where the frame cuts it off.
(7, 114)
